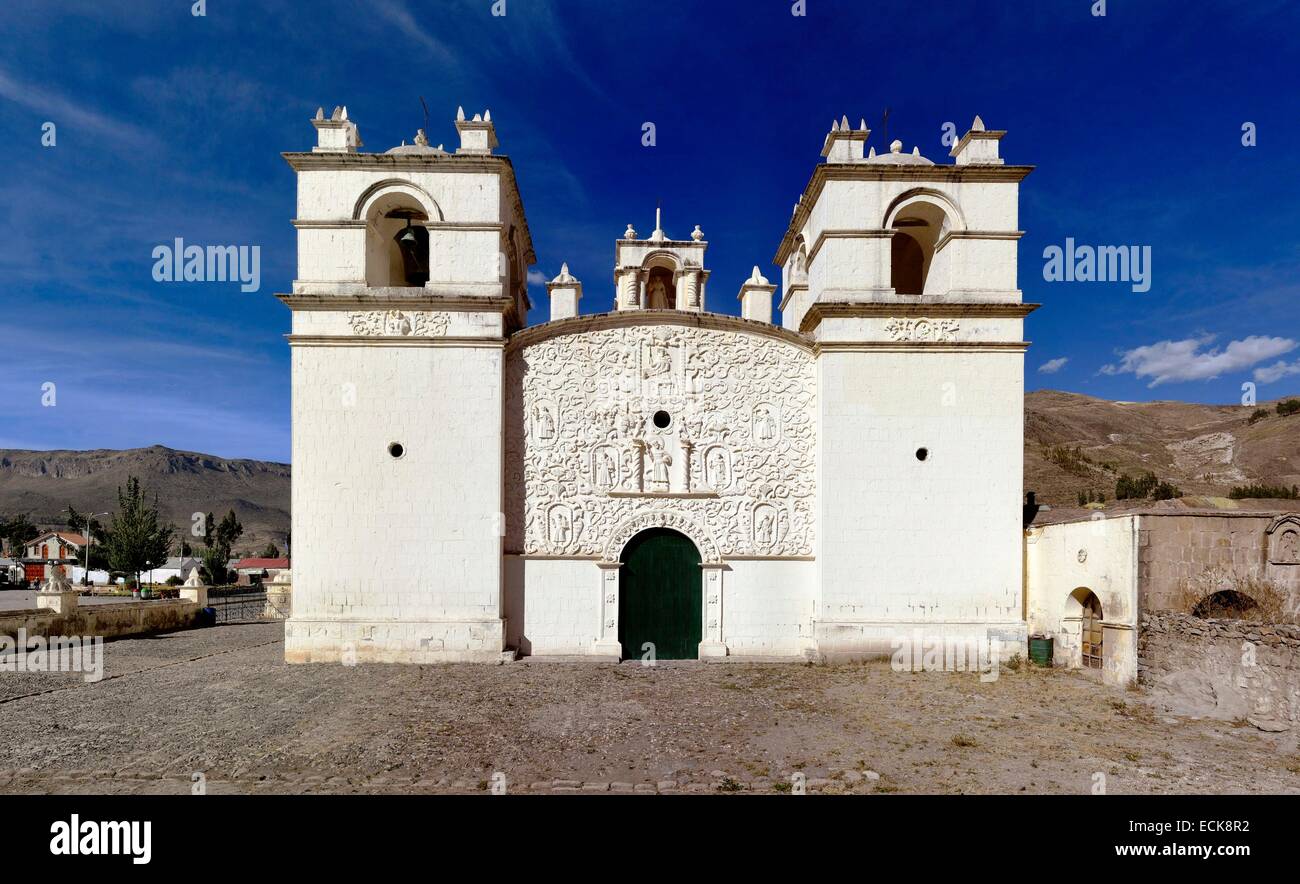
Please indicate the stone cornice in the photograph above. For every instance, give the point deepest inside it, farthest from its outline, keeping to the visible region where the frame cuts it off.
(885, 309)
(825, 172)
(393, 341)
(977, 234)
(883, 233)
(409, 302)
(789, 293)
(622, 318)
(913, 346)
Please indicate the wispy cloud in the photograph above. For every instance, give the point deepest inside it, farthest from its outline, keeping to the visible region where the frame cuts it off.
(63, 112)
(1270, 373)
(1052, 366)
(1185, 360)
(398, 15)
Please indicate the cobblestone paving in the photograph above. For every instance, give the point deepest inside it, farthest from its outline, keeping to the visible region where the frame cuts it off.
(221, 702)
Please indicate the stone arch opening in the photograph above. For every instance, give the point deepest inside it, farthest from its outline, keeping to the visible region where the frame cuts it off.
(918, 228)
(661, 274)
(1084, 608)
(661, 596)
(1227, 604)
(397, 241)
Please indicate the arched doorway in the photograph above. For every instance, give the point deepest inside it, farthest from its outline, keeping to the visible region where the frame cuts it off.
(1227, 604)
(660, 598)
(1085, 606)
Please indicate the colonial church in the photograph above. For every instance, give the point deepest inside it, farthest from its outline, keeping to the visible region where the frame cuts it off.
(660, 480)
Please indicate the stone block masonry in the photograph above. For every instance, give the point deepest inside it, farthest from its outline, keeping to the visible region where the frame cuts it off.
(1226, 669)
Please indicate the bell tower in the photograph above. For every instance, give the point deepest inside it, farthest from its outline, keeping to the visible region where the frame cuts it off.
(902, 273)
(658, 273)
(412, 268)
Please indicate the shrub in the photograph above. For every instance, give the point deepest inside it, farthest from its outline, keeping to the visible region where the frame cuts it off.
(1259, 415)
(1288, 406)
(174, 580)
(1260, 490)
(1144, 487)
(1072, 460)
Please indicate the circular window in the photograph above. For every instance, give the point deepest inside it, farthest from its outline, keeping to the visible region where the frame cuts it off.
(395, 449)
(662, 419)
(922, 453)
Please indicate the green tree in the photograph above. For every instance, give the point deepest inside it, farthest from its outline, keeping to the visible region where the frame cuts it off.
(218, 540)
(271, 552)
(96, 535)
(16, 531)
(137, 540)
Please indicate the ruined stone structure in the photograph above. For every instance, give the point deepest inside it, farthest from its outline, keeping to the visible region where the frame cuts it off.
(1117, 576)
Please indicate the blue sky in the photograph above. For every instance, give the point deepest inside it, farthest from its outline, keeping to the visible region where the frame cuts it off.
(171, 125)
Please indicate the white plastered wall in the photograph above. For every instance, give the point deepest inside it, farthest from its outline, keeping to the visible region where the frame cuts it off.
(396, 558)
(1100, 555)
(906, 543)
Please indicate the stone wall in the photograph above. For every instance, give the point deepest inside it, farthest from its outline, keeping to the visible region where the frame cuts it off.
(1185, 557)
(1226, 669)
(108, 621)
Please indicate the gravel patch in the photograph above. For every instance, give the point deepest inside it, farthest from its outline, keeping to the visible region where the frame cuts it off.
(220, 706)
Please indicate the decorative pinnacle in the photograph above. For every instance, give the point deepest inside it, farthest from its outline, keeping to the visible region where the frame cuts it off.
(978, 125)
(895, 146)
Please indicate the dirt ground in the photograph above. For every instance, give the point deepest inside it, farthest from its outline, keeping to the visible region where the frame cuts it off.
(221, 703)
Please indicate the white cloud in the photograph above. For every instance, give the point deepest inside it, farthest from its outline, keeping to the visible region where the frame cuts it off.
(537, 277)
(1052, 366)
(62, 112)
(1275, 372)
(399, 16)
(1185, 360)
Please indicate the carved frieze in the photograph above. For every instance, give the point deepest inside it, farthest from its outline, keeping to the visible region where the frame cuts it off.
(705, 430)
(939, 330)
(399, 323)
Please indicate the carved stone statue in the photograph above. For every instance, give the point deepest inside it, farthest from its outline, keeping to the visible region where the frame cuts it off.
(660, 461)
(658, 294)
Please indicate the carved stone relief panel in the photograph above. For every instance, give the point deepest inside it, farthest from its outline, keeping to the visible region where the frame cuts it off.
(939, 330)
(399, 323)
(713, 426)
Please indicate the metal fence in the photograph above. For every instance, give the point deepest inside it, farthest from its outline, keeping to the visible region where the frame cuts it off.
(244, 606)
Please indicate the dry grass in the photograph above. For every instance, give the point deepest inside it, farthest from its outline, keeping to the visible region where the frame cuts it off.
(1270, 602)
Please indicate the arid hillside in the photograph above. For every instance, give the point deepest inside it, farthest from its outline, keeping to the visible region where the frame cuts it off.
(1205, 450)
(43, 484)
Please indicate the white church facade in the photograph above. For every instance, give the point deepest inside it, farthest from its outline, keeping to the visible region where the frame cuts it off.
(659, 479)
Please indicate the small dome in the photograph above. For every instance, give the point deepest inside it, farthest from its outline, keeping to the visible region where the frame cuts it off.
(416, 149)
(896, 157)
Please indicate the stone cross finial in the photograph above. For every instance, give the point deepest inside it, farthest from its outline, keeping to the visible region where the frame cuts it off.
(658, 234)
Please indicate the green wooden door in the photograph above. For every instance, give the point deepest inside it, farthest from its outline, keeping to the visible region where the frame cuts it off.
(660, 597)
